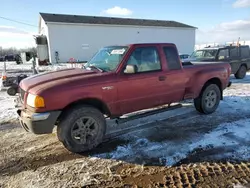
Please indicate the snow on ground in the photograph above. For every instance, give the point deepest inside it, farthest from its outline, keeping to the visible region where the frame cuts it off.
(10, 66)
(229, 134)
(139, 148)
(7, 110)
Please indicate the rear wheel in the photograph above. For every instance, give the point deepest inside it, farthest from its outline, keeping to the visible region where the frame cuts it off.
(12, 91)
(208, 100)
(82, 129)
(241, 73)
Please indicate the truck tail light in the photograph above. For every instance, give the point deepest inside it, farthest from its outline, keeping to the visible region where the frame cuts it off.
(4, 76)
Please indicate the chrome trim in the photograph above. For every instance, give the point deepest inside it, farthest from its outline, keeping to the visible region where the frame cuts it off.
(36, 116)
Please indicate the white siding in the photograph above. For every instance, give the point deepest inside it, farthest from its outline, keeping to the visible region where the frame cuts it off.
(43, 28)
(68, 39)
(43, 51)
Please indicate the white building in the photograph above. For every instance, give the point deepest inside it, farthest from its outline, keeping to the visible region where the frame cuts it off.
(79, 37)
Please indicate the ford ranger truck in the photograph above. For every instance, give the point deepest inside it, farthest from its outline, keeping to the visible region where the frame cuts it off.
(118, 80)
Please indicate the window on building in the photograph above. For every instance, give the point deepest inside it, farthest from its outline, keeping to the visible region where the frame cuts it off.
(146, 59)
(172, 58)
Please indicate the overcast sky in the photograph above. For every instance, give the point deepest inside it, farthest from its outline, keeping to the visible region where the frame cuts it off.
(217, 20)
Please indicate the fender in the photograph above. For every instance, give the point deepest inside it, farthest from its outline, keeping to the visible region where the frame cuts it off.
(219, 75)
(95, 102)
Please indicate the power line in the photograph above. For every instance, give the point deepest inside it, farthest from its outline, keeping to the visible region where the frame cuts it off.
(18, 21)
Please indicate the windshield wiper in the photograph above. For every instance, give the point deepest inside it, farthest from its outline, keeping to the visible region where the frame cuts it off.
(97, 68)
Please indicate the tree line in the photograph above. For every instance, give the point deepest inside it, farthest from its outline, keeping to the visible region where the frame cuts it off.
(14, 51)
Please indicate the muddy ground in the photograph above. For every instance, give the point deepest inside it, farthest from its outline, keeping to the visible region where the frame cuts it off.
(133, 157)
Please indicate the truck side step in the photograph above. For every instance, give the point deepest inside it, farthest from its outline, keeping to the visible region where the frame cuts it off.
(148, 113)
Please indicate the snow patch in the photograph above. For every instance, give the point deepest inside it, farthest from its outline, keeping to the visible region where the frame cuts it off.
(229, 135)
(233, 135)
(7, 109)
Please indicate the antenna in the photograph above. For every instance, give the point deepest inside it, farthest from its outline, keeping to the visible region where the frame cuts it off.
(238, 42)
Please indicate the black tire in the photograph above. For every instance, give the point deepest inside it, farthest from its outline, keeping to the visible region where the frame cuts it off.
(12, 91)
(67, 127)
(208, 106)
(241, 73)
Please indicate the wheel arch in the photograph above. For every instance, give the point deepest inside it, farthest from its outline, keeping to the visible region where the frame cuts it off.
(244, 64)
(215, 81)
(93, 102)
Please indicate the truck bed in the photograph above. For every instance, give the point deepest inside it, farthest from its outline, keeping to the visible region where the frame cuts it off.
(190, 63)
(203, 71)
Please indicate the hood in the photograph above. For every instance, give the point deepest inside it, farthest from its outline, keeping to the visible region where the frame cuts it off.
(48, 79)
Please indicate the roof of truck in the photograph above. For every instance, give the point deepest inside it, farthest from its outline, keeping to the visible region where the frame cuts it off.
(220, 47)
(65, 18)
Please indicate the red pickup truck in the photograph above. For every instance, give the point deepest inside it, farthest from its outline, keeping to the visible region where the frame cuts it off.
(116, 81)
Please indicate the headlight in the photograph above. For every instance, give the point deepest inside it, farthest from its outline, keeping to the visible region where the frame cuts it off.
(35, 101)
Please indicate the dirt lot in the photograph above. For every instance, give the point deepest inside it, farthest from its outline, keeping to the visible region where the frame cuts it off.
(43, 162)
(179, 148)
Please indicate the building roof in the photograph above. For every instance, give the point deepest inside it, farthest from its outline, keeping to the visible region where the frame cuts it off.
(64, 18)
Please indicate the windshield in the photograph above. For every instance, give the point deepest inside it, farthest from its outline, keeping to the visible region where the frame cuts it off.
(204, 54)
(107, 59)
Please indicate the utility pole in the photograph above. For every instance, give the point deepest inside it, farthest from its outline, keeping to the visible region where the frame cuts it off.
(34, 65)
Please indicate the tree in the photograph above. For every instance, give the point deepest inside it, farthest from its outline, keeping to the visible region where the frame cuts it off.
(13, 50)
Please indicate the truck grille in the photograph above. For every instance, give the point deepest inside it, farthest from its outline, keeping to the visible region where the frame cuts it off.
(22, 93)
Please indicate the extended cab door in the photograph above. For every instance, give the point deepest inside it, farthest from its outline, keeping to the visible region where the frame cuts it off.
(146, 87)
(176, 77)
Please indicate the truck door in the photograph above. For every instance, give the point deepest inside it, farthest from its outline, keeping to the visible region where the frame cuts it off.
(176, 78)
(223, 55)
(235, 61)
(144, 88)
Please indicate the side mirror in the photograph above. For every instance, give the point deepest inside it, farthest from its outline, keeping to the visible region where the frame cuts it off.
(130, 69)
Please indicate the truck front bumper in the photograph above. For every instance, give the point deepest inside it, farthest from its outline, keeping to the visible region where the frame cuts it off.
(38, 123)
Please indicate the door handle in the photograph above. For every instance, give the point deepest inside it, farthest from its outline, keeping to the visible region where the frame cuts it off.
(162, 78)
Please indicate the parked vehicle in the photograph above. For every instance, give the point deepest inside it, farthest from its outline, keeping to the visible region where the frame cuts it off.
(116, 81)
(183, 56)
(237, 56)
(13, 86)
(2, 58)
(12, 57)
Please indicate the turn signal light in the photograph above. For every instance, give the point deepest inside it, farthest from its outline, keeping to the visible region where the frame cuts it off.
(39, 102)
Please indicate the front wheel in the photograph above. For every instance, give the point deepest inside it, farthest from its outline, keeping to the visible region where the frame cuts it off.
(82, 129)
(208, 100)
(241, 73)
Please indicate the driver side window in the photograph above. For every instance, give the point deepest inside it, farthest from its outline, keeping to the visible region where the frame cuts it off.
(223, 54)
(146, 59)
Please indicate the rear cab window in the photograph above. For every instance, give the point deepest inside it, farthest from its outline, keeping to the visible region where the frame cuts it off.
(172, 58)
